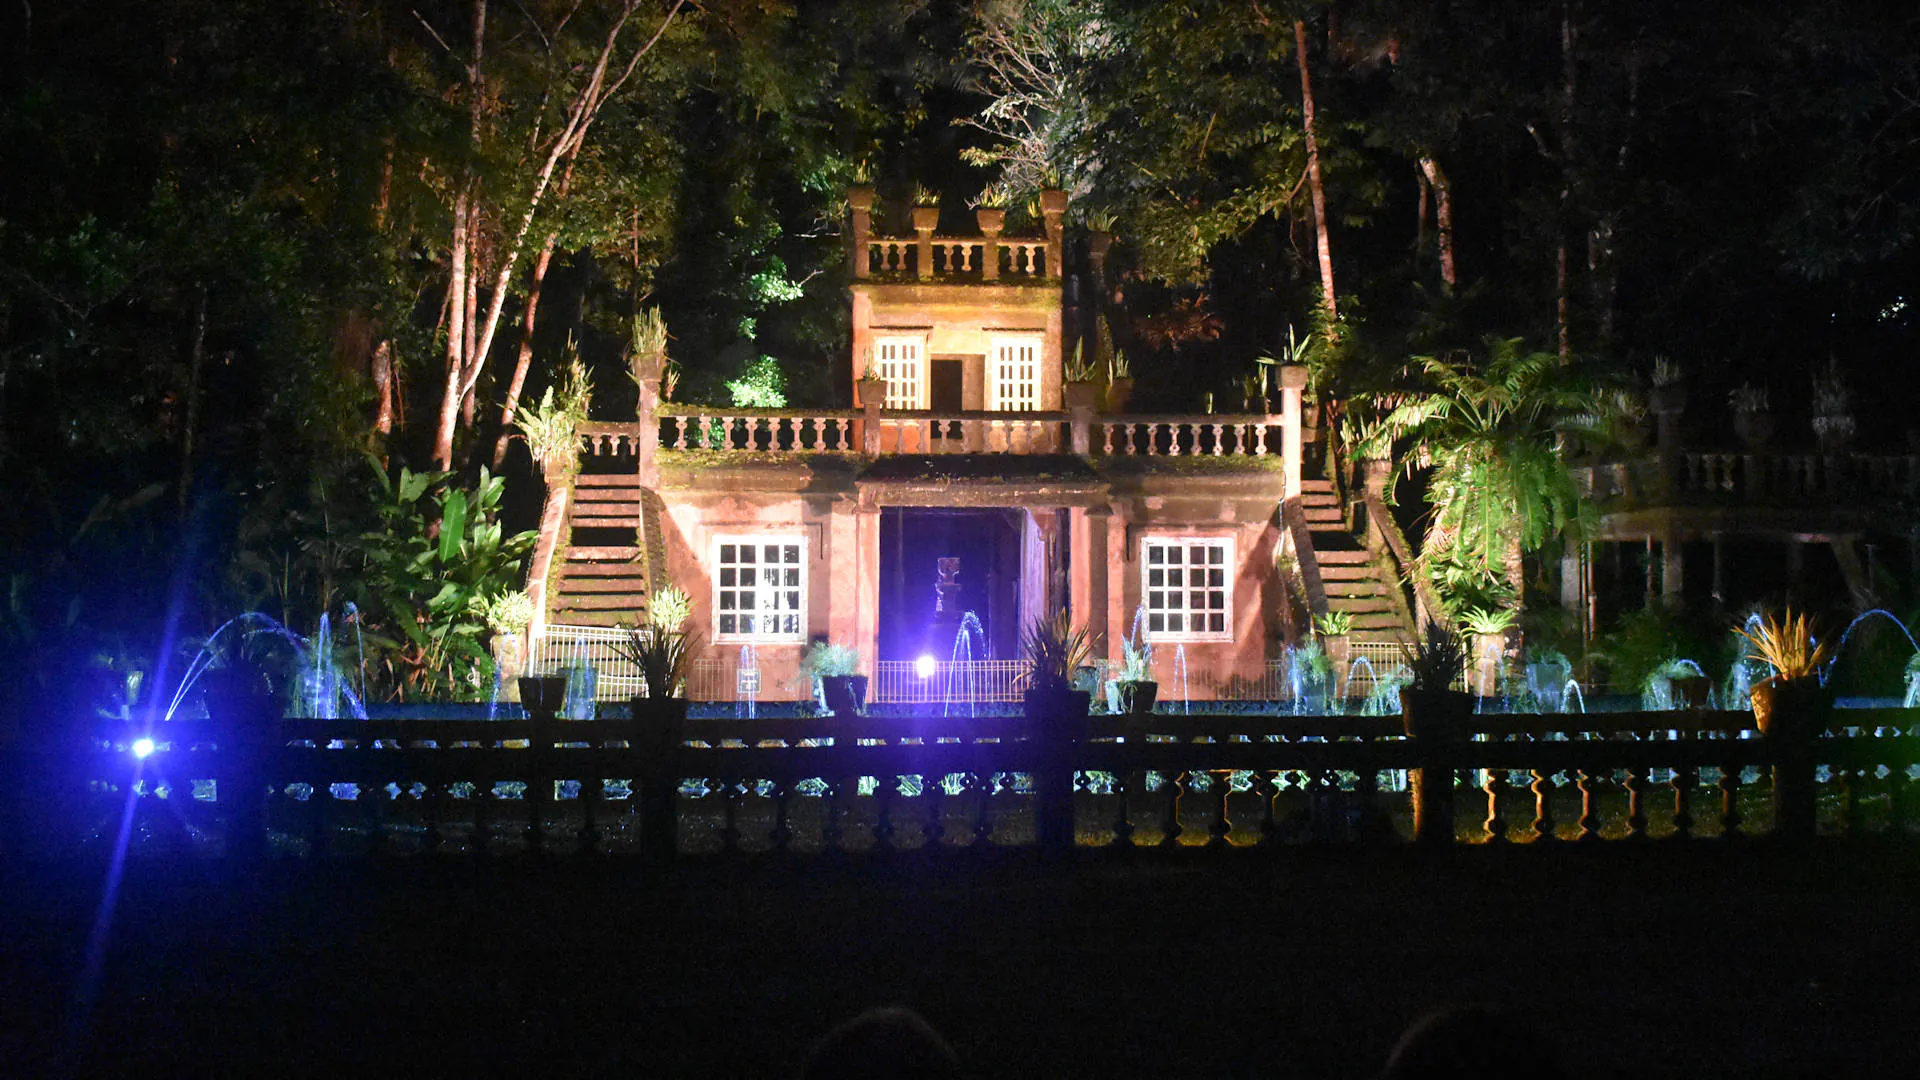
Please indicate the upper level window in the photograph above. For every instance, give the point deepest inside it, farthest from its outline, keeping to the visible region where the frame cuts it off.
(759, 588)
(1013, 372)
(902, 362)
(1187, 588)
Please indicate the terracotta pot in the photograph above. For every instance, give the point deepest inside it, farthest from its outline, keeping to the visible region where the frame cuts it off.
(1137, 697)
(660, 723)
(1059, 706)
(992, 219)
(1667, 399)
(1435, 714)
(542, 693)
(1119, 392)
(1754, 427)
(1790, 706)
(870, 391)
(860, 197)
(926, 218)
(1081, 395)
(846, 694)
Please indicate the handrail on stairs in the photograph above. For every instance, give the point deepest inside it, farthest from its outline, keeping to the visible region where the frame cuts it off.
(1426, 606)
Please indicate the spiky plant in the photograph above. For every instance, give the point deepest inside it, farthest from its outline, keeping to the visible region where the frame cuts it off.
(1788, 645)
(1334, 623)
(551, 426)
(1056, 648)
(1488, 620)
(671, 608)
(1437, 659)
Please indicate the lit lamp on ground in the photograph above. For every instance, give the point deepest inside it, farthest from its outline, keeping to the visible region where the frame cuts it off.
(926, 667)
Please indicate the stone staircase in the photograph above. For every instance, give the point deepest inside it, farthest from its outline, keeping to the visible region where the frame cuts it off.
(602, 582)
(1354, 581)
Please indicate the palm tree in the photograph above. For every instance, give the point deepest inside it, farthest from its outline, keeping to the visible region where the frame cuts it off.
(1494, 432)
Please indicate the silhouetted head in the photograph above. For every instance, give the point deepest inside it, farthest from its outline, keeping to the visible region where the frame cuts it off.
(883, 1044)
(1472, 1040)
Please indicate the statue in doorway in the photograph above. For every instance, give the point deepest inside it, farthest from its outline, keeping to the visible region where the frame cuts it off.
(946, 591)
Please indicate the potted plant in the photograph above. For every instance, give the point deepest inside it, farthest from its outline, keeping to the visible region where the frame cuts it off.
(1547, 673)
(1752, 417)
(1119, 381)
(926, 209)
(1134, 691)
(1312, 674)
(1489, 627)
(1080, 392)
(1428, 704)
(663, 651)
(1335, 630)
(842, 687)
(872, 389)
(1793, 693)
(1832, 414)
(1669, 393)
(1057, 649)
(990, 208)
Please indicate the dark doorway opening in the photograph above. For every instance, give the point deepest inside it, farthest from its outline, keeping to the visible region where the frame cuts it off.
(920, 614)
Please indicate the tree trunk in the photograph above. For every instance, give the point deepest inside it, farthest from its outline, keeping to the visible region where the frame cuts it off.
(1314, 187)
(525, 359)
(476, 359)
(196, 360)
(1443, 218)
(553, 518)
(1569, 161)
(383, 388)
(456, 337)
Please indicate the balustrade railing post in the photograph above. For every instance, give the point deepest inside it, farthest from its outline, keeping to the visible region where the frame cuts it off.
(1799, 715)
(659, 731)
(1436, 723)
(860, 200)
(246, 717)
(648, 441)
(1055, 721)
(1293, 384)
(872, 393)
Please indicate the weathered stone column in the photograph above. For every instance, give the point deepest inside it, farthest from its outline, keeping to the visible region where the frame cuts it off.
(1053, 209)
(1087, 580)
(925, 220)
(1081, 398)
(860, 200)
(992, 221)
(872, 395)
(647, 438)
(866, 599)
(1293, 384)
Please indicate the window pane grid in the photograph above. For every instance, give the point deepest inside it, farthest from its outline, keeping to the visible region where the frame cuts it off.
(1185, 589)
(759, 589)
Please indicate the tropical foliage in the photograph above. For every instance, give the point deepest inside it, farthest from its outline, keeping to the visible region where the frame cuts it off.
(1492, 430)
(425, 577)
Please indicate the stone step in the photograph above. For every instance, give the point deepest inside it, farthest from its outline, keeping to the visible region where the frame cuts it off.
(1346, 572)
(633, 602)
(629, 571)
(607, 554)
(603, 509)
(631, 586)
(629, 522)
(606, 480)
(1351, 587)
(1337, 557)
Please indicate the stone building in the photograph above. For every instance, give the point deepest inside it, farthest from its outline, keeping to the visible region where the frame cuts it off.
(970, 475)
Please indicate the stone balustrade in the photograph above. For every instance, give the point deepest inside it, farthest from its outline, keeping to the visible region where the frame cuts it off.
(879, 783)
(1014, 260)
(1207, 435)
(1699, 477)
(695, 429)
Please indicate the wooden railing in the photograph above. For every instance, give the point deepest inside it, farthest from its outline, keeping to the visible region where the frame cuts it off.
(657, 785)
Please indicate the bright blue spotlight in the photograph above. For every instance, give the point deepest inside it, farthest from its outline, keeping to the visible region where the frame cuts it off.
(926, 667)
(142, 747)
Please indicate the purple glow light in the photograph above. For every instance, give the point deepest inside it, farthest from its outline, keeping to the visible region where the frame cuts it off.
(142, 748)
(926, 667)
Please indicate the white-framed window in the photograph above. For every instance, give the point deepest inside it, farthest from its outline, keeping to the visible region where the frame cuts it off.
(902, 361)
(1013, 372)
(1186, 588)
(759, 588)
